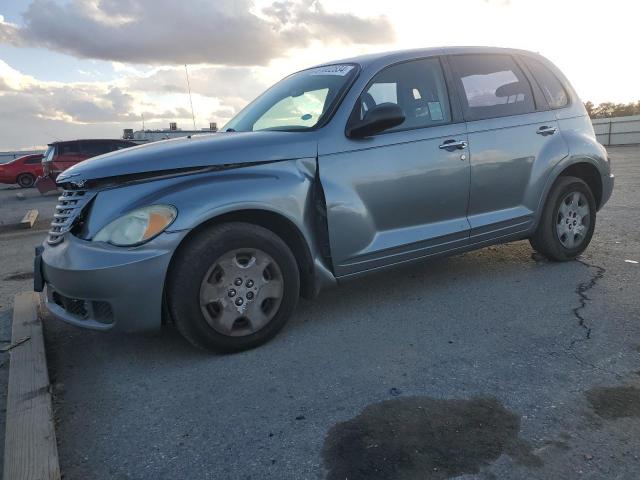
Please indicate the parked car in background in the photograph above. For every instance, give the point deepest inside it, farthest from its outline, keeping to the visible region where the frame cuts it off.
(62, 155)
(23, 170)
(335, 172)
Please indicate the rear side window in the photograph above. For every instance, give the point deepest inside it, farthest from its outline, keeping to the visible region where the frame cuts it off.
(93, 149)
(418, 87)
(492, 86)
(71, 148)
(552, 88)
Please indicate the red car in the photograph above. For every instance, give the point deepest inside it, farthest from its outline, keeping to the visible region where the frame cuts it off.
(62, 155)
(23, 170)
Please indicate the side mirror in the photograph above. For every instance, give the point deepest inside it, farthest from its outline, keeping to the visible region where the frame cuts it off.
(378, 119)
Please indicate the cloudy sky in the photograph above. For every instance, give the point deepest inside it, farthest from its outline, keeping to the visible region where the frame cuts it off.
(89, 68)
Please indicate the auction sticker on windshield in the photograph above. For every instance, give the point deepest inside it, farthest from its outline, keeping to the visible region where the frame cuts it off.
(340, 70)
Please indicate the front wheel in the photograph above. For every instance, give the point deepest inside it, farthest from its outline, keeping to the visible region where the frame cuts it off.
(232, 287)
(567, 222)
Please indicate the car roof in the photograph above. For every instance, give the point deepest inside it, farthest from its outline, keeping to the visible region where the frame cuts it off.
(400, 55)
(59, 142)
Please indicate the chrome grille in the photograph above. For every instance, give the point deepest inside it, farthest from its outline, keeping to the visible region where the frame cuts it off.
(70, 205)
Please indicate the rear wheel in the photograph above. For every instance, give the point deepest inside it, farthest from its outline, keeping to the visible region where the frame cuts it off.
(567, 221)
(26, 180)
(232, 287)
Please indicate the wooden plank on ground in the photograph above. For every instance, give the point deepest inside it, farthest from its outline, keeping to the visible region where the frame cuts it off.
(29, 218)
(30, 450)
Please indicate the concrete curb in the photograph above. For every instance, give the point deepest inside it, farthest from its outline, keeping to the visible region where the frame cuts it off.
(30, 449)
(27, 222)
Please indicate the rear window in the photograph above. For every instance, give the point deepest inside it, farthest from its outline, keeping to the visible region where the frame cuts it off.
(493, 86)
(552, 88)
(48, 155)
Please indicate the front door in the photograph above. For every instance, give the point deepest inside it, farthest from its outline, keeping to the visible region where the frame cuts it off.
(401, 194)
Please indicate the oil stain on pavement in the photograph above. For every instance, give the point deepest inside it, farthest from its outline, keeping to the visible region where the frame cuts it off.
(615, 402)
(424, 438)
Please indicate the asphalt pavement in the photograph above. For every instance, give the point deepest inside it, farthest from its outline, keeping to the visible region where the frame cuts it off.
(492, 364)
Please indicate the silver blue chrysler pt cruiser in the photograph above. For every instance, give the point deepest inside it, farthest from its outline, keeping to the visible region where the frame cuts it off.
(336, 171)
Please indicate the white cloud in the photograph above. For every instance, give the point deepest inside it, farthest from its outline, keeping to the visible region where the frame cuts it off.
(162, 32)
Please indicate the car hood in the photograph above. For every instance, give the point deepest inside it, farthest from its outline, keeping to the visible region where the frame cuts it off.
(233, 149)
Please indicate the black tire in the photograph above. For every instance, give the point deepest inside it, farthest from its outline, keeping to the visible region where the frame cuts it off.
(193, 261)
(546, 239)
(26, 180)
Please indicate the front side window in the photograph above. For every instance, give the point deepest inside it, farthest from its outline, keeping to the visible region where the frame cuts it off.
(493, 86)
(418, 87)
(553, 90)
(297, 103)
(32, 160)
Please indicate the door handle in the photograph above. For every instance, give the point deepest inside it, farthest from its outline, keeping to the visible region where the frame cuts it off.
(546, 130)
(453, 144)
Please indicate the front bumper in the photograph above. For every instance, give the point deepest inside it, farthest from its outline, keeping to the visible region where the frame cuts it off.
(103, 287)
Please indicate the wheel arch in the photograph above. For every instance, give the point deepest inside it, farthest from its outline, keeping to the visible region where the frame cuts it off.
(583, 167)
(587, 172)
(275, 222)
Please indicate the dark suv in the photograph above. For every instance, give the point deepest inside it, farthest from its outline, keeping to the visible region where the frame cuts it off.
(337, 171)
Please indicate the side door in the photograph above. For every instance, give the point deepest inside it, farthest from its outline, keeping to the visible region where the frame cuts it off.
(33, 165)
(401, 194)
(513, 138)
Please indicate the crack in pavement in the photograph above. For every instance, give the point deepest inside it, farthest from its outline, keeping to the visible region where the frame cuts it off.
(581, 290)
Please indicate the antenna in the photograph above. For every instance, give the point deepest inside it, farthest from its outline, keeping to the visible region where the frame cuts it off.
(193, 116)
(142, 121)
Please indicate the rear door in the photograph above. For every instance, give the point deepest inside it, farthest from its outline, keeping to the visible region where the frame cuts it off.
(401, 194)
(513, 137)
(67, 154)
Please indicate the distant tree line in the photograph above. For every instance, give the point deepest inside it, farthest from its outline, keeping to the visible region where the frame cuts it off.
(610, 109)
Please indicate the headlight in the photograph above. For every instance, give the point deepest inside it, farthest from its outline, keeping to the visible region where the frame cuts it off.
(138, 226)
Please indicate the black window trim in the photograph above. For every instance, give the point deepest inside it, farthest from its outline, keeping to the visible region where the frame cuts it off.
(462, 94)
(525, 59)
(454, 107)
(539, 100)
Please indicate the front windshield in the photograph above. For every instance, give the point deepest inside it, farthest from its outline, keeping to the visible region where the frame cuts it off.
(297, 102)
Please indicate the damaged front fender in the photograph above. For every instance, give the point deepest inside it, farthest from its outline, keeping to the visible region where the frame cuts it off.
(284, 188)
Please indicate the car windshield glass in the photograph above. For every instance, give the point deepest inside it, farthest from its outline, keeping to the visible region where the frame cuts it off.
(297, 102)
(48, 156)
